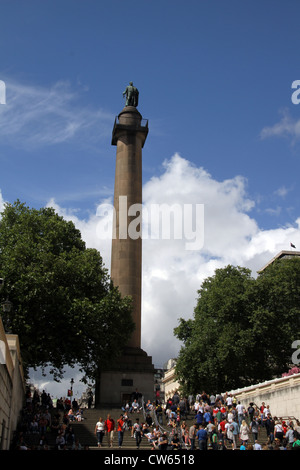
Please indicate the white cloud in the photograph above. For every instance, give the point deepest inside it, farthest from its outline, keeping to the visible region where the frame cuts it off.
(2, 202)
(58, 389)
(272, 211)
(35, 116)
(171, 273)
(286, 127)
(282, 191)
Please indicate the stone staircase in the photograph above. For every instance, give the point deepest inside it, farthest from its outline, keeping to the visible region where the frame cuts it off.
(84, 431)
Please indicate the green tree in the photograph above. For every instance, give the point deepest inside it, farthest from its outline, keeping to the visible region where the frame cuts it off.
(242, 330)
(217, 340)
(276, 316)
(65, 309)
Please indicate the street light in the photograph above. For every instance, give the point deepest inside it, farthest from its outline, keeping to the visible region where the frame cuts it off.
(7, 306)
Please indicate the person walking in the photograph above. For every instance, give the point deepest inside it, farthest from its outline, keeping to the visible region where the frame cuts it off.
(240, 412)
(202, 438)
(254, 427)
(137, 430)
(251, 411)
(269, 425)
(121, 424)
(109, 430)
(278, 431)
(192, 435)
(244, 431)
(214, 439)
(290, 437)
(235, 433)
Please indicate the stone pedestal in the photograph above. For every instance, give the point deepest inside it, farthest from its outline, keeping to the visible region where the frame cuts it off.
(134, 371)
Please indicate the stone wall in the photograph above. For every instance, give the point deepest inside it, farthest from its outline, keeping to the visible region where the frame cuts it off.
(12, 386)
(170, 384)
(282, 395)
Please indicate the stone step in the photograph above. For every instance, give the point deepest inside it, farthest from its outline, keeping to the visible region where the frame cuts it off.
(84, 430)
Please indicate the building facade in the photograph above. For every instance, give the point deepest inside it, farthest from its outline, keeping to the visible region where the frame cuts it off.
(12, 386)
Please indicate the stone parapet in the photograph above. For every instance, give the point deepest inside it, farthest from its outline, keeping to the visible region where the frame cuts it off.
(282, 395)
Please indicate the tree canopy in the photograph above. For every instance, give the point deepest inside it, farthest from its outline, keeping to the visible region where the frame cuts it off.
(242, 329)
(66, 310)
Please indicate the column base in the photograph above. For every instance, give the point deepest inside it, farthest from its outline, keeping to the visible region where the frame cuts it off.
(132, 372)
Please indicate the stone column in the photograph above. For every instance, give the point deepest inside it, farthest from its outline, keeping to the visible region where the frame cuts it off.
(133, 370)
(129, 136)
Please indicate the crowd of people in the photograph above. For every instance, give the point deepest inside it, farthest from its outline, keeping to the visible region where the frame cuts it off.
(215, 423)
(40, 418)
(204, 422)
(138, 428)
(222, 422)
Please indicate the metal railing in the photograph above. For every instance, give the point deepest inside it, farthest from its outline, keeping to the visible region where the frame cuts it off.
(143, 123)
(162, 429)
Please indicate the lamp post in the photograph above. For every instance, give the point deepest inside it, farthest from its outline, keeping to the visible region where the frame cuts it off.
(72, 383)
(7, 306)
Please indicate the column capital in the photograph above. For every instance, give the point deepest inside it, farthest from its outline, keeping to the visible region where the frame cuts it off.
(129, 121)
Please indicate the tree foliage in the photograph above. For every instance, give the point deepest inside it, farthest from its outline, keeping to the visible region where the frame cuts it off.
(276, 316)
(65, 309)
(242, 329)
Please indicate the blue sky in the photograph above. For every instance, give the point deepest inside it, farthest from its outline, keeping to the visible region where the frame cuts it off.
(211, 75)
(215, 81)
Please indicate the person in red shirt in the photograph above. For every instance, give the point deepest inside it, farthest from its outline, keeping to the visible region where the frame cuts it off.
(109, 430)
(120, 430)
(284, 428)
(261, 409)
(215, 411)
(222, 430)
(223, 410)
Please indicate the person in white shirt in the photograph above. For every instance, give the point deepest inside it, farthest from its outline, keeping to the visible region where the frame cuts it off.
(99, 431)
(241, 412)
(290, 437)
(267, 411)
(256, 446)
(135, 406)
(230, 416)
(196, 406)
(229, 401)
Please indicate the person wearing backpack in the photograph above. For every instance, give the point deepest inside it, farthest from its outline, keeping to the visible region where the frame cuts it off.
(251, 411)
(254, 428)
